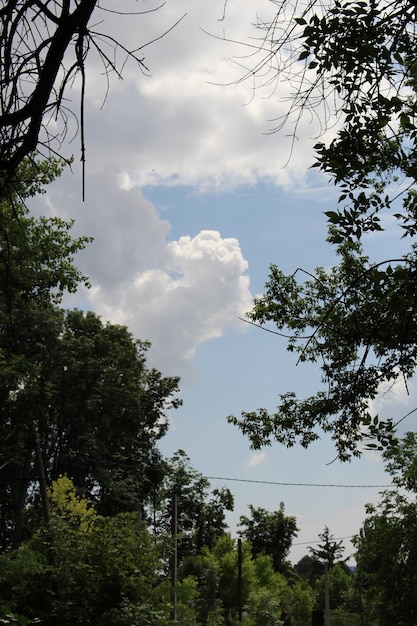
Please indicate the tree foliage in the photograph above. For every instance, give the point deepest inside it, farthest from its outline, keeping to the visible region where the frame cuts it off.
(387, 543)
(36, 269)
(357, 320)
(269, 533)
(106, 412)
(309, 568)
(329, 551)
(200, 513)
(98, 412)
(87, 573)
(74, 392)
(341, 592)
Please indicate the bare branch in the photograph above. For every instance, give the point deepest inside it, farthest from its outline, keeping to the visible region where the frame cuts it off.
(36, 39)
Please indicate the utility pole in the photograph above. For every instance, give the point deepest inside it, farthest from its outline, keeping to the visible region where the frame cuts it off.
(42, 479)
(326, 594)
(239, 577)
(174, 560)
(44, 496)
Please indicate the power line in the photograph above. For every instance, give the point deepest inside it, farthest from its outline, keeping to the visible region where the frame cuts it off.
(282, 484)
(305, 543)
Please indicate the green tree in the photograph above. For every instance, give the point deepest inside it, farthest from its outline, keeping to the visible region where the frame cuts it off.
(105, 414)
(75, 393)
(200, 513)
(263, 608)
(386, 545)
(36, 269)
(269, 533)
(204, 569)
(83, 569)
(276, 598)
(99, 414)
(401, 462)
(357, 319)
(309, 568)
(341, 589)
(299, 603)
(266, 595)
(329, 551)
(386, 569)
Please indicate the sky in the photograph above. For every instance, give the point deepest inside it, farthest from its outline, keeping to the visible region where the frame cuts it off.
(190, 198)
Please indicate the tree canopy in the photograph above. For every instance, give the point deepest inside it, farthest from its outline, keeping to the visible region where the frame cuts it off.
(73, 390)
(387, 543)
(270, 533)
(329, 551)
(200, 513)
(353, 65)
(90, 574)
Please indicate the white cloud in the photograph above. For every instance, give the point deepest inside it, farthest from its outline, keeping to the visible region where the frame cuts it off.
(394, 401)
(199, 290)
(257, 458)
(177, 294)
(192, 121)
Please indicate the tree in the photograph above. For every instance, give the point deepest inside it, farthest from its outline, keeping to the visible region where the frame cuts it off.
(98, 570)
(269, 533)
(75, 394)
(44, 46)
(263, 608)
(99, 414)
(36, 269)
(325, 560)
(200, 513)
(226, 554)
(341, 592)
(204, 569)
(105, 413)
(276, 598)
(358, 319)
(386, 569)
(386, 545)
(401, 462)
(329, 551)
(309, 568)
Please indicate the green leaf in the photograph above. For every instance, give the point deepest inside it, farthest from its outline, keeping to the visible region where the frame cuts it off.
(304, 54)
(333, 217)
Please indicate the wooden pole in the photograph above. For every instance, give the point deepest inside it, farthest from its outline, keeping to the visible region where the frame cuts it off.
(239, 577)
(174, 561)
(326, 595)
(42, 479)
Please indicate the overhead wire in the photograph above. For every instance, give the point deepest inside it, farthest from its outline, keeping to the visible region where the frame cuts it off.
(288, 484)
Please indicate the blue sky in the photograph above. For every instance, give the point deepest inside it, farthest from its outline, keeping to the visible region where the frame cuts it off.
(189, 200)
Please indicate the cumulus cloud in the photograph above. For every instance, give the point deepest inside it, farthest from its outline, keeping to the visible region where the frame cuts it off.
(175, 293)
(200, 289)
(193, 121)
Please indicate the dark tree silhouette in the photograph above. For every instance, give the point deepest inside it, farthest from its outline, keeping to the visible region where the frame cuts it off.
(329, 551)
